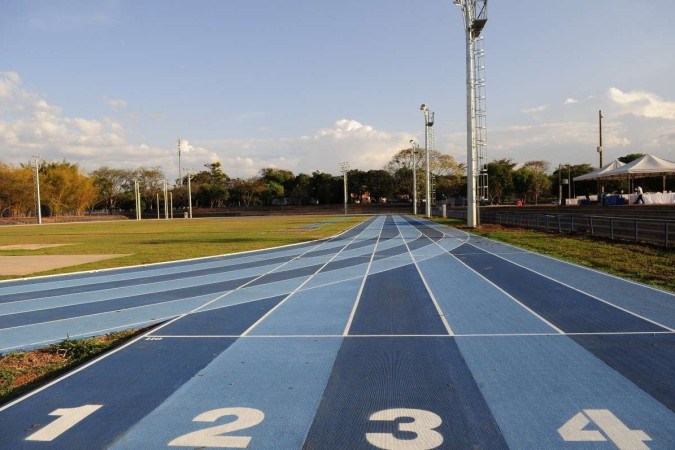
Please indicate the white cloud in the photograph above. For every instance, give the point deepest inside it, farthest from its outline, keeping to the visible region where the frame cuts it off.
(643, 103)
(534, 110)
(570, 101)
(30, 125)
(115, 105)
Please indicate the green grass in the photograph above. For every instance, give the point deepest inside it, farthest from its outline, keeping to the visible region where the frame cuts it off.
(643, 263)
(151, 241)
(26, 370)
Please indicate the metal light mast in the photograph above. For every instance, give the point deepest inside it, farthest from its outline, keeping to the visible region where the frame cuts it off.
(475, 17)
(344, 168)
(601, 188)
(414, 150)
(38, 207)
(428, 142)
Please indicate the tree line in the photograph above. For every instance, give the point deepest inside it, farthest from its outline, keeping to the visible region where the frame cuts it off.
(67, 190)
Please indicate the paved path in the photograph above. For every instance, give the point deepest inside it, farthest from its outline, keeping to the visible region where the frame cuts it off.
(396, 334)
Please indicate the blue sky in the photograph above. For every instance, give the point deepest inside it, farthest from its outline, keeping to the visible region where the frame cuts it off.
(303, 85)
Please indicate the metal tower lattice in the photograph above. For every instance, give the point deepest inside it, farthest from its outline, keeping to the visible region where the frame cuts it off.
(474, 13)
(480, 124)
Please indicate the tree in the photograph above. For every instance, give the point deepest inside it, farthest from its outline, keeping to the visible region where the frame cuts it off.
(247, 191)
(380, 184)
(111, 184)
(500, 179)
(300, 194)
(533, 180)
(17, 190)
(151, 183)
(65, 189)
(325, 188)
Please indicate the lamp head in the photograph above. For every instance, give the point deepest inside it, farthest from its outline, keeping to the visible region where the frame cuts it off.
(423, 107)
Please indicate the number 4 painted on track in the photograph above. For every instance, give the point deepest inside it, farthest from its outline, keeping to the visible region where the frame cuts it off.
(622, 436)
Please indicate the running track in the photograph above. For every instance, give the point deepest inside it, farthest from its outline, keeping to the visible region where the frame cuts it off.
(399, 333)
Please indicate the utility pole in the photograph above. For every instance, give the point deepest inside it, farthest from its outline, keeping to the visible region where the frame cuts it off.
(37, 189)
(474, 13)
(189, 177)
(601, 187)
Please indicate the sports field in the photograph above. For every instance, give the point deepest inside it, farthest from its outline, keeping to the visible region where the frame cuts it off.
(398, 333)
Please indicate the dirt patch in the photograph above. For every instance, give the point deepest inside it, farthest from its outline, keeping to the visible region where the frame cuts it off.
(29, 246)
(25, 265)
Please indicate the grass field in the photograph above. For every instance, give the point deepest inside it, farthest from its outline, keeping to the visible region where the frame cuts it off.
(151, 241)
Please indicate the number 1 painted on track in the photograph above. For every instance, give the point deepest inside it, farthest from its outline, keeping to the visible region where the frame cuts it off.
(69, 418)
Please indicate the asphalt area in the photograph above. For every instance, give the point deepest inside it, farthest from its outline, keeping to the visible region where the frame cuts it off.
(397, 334)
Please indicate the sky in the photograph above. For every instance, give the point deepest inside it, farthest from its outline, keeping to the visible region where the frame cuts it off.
(304, 85)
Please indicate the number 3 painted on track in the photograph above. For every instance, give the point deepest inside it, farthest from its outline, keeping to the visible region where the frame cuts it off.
(423, 425)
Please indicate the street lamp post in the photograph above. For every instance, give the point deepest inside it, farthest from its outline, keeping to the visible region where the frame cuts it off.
(415, 149)
(189, 178)
(37, 189)
(428, 123)
(344, 168)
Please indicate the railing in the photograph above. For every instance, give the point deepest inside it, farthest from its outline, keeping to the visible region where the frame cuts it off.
(659, 232)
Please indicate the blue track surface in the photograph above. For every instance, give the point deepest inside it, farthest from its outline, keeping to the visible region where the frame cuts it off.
(399, 333)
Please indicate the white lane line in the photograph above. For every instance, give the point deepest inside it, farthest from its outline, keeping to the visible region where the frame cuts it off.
(363, 282)
(360, 336)
(424, 280)
(307, 280)
(579, 290)
(112, 352)
(518, 250)
(558, 330)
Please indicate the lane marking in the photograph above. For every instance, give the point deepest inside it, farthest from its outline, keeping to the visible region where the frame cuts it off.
(623, 437)
(569, 263)
(307, 280)
(115, 350)
(558, 330)
(578, 290)
(363, 282)
(440, 312)
(69, 417)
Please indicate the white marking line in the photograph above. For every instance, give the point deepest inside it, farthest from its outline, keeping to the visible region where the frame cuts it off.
(519, 250)
(507, 294)
(115, 350)
(441, 228)
(224, 256)
(580, 291)
(464, 335)
(363, 282)
(307, 280)
(424, 280)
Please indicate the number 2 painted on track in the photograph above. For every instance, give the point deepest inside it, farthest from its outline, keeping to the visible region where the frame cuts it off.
(211, 437)
(69, 418)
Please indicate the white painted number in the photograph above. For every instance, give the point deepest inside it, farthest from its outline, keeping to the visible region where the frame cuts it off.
(69, 418)
(622, 436)
(211, 437)
(423, 424)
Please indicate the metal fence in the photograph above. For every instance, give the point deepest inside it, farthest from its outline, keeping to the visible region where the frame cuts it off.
(659, 232)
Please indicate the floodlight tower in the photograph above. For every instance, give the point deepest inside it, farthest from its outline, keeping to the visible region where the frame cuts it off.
(344, 168)
(414, 150)
(475, 17)
(428, 142)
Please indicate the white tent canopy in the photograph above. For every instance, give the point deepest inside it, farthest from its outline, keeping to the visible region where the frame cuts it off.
(597, 172)
(646, 166)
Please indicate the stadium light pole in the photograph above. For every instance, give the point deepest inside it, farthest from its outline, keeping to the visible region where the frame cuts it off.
(344, 168)
(37, 189)
(428, 123)
(474, 13)
(415, 149)
(189, 178)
